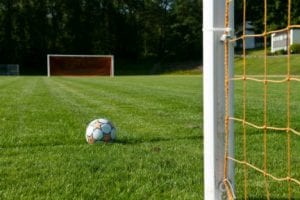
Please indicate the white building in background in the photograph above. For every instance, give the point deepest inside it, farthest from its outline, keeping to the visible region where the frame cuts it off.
(279, 41)
(250, 41)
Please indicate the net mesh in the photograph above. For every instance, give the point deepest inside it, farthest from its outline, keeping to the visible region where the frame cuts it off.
(267, 113)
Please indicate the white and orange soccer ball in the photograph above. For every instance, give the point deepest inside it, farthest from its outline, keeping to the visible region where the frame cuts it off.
(100, 130)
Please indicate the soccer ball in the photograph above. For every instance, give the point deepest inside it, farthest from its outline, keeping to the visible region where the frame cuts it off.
(100, 130)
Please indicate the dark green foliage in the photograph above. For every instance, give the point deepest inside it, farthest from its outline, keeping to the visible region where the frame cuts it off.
(280, 52)
(295, 48)
(277, 14)
(132, 30)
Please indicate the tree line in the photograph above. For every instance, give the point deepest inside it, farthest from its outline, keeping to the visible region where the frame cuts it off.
(277, 14)
(129, 29)
(161, 30)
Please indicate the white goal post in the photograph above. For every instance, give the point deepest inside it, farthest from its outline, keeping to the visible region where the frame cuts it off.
(80, 65)
(214, 99)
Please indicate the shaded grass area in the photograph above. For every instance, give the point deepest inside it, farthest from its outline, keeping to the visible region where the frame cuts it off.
(153, 67)
(44, 155)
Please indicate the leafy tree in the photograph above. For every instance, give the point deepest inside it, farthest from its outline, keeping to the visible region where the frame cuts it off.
(8, 42)
(277, 14)
(131, 29)
(185, 29)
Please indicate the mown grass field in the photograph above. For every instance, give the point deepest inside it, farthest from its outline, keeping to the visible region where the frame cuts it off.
(158, 153)
(159, 150)
(276, 65)
(277, 151)
(277, 141)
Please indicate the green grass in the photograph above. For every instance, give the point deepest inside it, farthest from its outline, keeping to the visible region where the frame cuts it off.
(277, 141)
(277, 151)
(159, 150)
(276, 65)
(158, 153)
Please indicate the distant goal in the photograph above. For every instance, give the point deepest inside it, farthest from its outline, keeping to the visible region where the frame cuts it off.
(80, 65)
(9, 70)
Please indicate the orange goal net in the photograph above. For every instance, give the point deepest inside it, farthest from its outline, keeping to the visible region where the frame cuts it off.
(267, 112)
